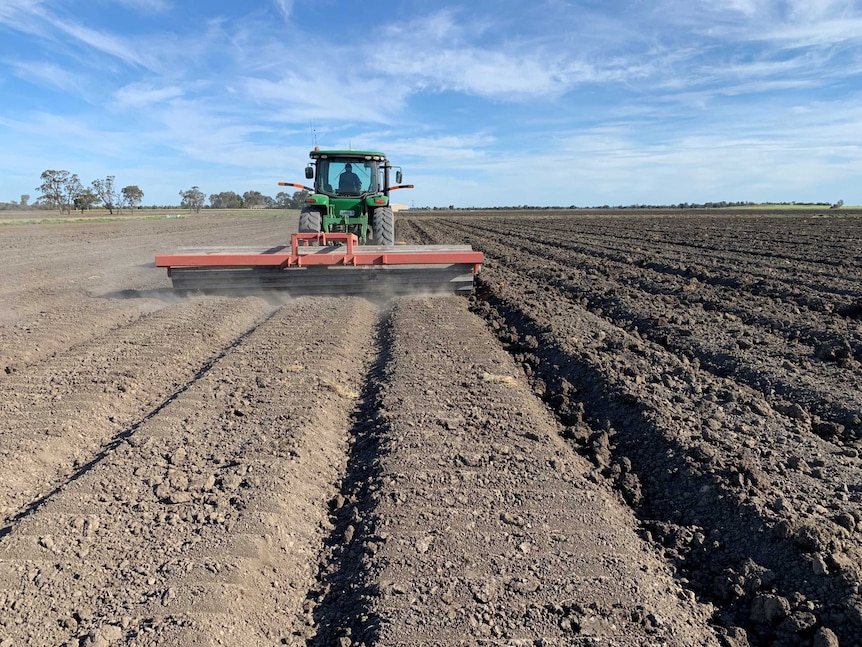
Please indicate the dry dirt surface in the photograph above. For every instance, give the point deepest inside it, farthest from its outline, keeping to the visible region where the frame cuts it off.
(639, 431)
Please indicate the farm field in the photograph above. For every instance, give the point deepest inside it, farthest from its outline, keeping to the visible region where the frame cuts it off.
(643, 429)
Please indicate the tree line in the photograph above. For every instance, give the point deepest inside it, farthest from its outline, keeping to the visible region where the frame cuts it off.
(65, 192)
(194, 199)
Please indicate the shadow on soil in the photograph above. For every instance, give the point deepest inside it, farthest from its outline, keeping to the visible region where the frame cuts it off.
(162, 294)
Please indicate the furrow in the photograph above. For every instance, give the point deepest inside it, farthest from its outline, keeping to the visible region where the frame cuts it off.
(795, 377)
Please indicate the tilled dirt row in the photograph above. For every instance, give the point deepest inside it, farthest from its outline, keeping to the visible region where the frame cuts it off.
(60, 413)
(204, 524)
(467, 520)
(807, 357)
(747, 492)
(61, 284)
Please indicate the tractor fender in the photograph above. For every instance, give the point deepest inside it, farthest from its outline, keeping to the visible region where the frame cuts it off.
(375, 201)
(317, 199)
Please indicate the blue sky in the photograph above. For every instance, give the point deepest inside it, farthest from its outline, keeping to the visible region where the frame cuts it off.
(503, 102)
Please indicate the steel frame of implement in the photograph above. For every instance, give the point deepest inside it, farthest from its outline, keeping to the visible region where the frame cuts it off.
(348, 252)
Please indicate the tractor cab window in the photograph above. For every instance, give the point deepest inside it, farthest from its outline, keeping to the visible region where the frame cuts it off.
(346, 177)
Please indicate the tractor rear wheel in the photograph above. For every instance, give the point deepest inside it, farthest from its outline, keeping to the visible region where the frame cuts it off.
(310, 221)
(383, 226)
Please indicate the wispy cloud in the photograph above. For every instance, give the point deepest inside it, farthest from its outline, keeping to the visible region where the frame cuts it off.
(437, 54)
(285, 8)
(115, 46)
(147, 6)
(144, 95)
(24, 16)
(48, 75)
(296, 98)
(14, 10)
(791, 23)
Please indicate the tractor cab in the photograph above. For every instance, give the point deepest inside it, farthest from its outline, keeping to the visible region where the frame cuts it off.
(350, 173)
(346, 176)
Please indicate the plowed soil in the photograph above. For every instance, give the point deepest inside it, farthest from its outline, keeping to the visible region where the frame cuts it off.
(640, 430)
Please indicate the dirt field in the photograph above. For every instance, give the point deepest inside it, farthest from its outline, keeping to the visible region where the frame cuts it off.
(642, 430)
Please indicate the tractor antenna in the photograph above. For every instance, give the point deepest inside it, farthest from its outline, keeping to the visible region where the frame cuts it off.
(313, 134)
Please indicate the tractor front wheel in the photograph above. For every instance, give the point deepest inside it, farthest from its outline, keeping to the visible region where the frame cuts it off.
(383, 226)
(310, 221)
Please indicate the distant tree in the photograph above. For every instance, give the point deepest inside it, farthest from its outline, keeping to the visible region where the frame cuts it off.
(253, 199)
(53, 188)
(132, 195)
(193, 199)
(85, 199)
(282, 200)
(73, 189)
(25, 198)
(837, 205)
(104, 189)
(226, 200)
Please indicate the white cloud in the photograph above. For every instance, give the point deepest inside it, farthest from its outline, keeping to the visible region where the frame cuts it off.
(426, 153)
(675, 100)
(297, 98)
(23, 16)
(13, 10)
(143, 95)
(826, 32)
(805, 11)
(436, 53)
(788, 24)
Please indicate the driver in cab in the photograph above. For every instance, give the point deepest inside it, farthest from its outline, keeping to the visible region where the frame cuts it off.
(348, 181)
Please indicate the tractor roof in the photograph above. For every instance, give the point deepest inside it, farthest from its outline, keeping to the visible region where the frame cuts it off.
(360, 155)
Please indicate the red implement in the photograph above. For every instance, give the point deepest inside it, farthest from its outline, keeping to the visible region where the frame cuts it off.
(321, 263)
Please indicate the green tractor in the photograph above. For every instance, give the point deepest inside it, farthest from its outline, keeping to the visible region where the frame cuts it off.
(345, 243)
(350, 195)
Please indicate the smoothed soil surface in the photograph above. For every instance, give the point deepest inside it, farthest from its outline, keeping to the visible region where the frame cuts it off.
(642, 429)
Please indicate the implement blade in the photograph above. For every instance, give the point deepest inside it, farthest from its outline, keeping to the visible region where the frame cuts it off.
(376, 280)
